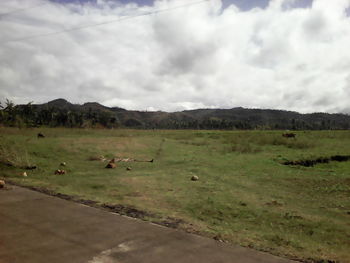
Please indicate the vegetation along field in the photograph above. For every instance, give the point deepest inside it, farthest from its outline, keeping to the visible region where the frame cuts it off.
(246, 194)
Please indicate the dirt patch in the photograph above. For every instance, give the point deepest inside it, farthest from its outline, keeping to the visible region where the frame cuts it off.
(171, 222)
(340, 158)
(312, 162)
(25, 167)
(136, 213)
(274, 203)
(128, 211)
(324, 261)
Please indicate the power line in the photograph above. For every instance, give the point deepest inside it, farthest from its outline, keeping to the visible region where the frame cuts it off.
(21, 10)
(106, 22)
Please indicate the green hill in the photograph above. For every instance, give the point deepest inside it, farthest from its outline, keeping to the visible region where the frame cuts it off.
(60, 112)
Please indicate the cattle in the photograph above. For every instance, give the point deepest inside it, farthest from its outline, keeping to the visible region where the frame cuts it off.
(60, 171)
(289, 135)
(40, 135)
(111, 165)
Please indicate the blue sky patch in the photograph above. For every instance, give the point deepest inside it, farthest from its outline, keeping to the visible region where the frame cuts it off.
(244, 5)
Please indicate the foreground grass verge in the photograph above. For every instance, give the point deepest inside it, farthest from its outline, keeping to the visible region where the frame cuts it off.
(244, 194)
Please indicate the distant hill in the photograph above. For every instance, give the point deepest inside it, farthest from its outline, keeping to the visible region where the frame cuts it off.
(59, 103)
(60, 112)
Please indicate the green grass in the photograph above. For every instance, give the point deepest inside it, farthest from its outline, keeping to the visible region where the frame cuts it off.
(244, 194)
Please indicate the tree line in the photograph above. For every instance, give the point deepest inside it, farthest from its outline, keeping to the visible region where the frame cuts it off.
(30, 115)
(78, 116)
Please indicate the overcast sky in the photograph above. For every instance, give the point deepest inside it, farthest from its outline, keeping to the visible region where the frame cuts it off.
(280, 54)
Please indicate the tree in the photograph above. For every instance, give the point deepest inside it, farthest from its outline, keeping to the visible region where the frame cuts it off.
(10, 113)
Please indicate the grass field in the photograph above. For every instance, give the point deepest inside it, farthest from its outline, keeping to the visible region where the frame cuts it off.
(244, 195)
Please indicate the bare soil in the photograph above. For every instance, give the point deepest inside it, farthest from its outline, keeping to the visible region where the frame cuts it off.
(312, 162)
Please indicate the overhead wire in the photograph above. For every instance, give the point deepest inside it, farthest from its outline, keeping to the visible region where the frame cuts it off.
(106, 22)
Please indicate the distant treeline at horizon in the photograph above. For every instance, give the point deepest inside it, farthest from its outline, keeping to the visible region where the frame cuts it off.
(61, 113)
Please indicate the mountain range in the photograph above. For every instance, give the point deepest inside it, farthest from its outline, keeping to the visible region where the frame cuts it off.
(235, 118)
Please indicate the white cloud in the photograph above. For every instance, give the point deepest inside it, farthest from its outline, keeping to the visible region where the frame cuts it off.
(193, 57)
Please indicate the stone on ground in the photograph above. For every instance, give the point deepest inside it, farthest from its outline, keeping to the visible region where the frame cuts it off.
(194, 178)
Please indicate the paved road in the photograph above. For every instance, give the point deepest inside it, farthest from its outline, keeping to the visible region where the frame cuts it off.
(36, 228)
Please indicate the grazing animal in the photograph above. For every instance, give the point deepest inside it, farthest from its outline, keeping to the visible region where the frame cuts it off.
(60, 171)
(111, 165)
(40, 135)
(289, 135)
(2, 184)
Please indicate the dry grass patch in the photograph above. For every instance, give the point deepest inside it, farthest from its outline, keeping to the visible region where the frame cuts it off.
(13, 155)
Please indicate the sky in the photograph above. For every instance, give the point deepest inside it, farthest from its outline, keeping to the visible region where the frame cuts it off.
(175, 55)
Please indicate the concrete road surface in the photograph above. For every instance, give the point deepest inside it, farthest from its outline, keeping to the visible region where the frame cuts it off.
(36, 228)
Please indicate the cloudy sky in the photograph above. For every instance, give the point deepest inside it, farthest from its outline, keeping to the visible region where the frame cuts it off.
(178, 54)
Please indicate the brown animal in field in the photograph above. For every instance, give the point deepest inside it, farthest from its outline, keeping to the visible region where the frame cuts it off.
(2, 184)
(289, 135)
(60, 171)
(40, 135)
(111, 165)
